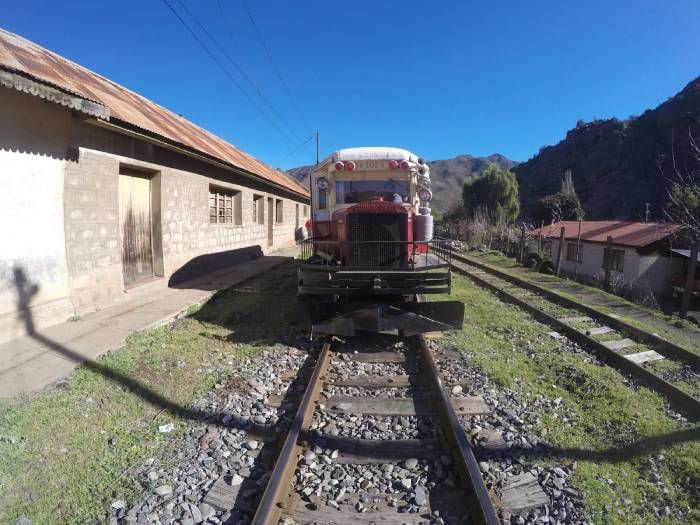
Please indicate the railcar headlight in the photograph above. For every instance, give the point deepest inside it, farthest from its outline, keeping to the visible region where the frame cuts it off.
(425, 195)
(322, 183)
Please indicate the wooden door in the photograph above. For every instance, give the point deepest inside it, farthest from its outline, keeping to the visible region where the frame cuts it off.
(135, 222)
(270, 220)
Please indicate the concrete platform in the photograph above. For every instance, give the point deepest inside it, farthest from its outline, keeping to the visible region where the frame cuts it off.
(31, 363)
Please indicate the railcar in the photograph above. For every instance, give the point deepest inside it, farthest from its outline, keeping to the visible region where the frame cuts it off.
(371, 259)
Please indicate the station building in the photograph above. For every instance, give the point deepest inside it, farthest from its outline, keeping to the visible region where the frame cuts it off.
(103, 191)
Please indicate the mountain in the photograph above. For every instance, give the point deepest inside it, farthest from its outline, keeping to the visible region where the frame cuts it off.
(447, 176)
(619, 165)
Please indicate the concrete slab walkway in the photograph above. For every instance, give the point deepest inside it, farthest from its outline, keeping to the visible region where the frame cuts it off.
(30, 363)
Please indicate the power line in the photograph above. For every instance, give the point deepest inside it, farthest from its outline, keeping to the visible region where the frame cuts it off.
(228, 74)
(228, 24)
(239, 69)
(286, 157)
(274, 65)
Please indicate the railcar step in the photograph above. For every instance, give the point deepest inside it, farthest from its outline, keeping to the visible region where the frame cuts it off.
(643, 357)
(618, 344)
(371, 451)
(402, 406)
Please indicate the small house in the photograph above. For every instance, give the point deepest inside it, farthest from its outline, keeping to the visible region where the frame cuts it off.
(640, 254)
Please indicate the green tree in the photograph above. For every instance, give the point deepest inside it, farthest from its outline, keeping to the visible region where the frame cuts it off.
(557, 207)
(494, 194)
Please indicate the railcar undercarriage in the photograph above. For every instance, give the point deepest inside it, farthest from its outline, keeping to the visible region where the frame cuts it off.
(342, 300)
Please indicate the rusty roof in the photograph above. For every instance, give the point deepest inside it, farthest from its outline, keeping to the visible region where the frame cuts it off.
(20, 55)
(624, 233)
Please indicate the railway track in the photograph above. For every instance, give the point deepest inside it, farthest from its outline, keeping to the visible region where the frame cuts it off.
(660, 364)
(411, 463)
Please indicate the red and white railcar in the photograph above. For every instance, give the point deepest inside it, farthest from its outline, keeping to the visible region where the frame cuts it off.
(372, 255)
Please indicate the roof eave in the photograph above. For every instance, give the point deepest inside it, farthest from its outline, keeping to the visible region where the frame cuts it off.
(124, 128)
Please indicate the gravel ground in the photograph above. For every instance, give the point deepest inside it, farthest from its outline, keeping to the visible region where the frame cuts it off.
(512, 418)
(219, 445)
(374, 427)
(346, 369)
(407, 484)
(393, 392)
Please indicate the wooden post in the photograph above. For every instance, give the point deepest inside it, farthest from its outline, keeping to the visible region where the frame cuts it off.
(608, 263)
(578, 250)
(521, 254)
(561, 248)
(539, 240)
(689, 281)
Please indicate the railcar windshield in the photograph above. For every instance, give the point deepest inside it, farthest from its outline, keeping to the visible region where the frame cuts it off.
(354, 191)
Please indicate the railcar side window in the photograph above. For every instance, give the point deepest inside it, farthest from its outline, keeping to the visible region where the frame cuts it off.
(322, 200)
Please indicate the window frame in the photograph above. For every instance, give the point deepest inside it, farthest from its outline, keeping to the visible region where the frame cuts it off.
(279, 211)
(226, 208)
(618, 260)
(258, 209)
(571, 252)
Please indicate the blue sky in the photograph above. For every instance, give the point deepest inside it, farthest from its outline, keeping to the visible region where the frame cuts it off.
(440, 78)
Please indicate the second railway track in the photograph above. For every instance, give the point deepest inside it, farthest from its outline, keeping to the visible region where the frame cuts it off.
(377, 439)
(660, 364)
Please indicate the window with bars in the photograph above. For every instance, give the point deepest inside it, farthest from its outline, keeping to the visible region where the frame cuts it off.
(258, 209)
(617, 260)
(571, 252)
(224, 206)
(278, 211)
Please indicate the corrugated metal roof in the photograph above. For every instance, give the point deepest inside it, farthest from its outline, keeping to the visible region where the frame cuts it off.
(625, 233)
(20, 55)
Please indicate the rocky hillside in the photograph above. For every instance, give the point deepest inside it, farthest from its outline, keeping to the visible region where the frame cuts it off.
(618, 165)
(447, 176)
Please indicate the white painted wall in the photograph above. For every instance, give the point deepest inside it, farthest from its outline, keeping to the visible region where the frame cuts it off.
(644, 272)
(32, 239)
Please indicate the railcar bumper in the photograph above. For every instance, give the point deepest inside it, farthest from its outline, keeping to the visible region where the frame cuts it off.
(381, 282)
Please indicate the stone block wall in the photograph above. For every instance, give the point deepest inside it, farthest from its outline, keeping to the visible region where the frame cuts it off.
(91, 201)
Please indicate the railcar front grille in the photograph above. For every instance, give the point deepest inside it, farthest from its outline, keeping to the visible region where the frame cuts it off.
(377, 239)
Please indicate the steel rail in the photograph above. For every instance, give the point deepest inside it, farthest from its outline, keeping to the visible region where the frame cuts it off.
(681, 400)
(481, 506)
(270, 506)
(666, 347)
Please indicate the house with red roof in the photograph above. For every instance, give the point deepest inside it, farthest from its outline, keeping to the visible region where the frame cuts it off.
(104, 190)
(642, 255)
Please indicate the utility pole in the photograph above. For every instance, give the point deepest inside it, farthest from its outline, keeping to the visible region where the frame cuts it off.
(608, 263)
(689, 281)
(318, 142)
(646, 213)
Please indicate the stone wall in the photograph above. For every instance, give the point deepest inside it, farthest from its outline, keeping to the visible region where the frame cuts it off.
(60, 195)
